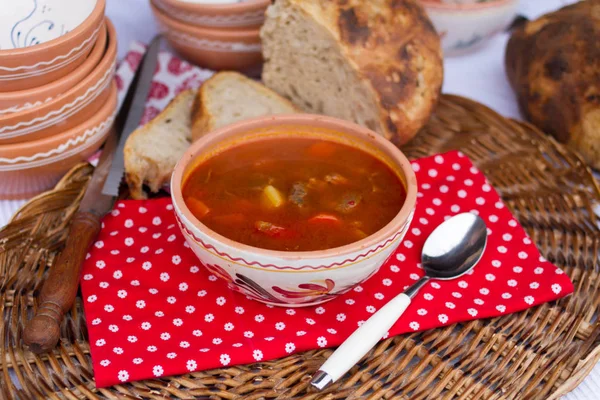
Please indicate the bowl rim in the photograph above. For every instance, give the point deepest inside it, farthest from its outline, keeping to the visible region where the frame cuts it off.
(385, 234)
(50, 86)
(216, 33)
(50, 141)
(250, 5)
(97, 12)
(433, 4)
(102, 66)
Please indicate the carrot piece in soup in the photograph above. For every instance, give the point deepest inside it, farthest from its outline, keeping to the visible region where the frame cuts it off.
(243, 206)
(325, 218)
(230, 219)
(273, 230)
(321, 149)
(197, 207)
(272, 197)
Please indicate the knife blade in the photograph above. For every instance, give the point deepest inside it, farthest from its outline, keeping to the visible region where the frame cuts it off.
(113, 181)
(57, 296)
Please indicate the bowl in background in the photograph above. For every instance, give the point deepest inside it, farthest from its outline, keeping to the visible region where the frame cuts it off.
(245, 14)
(254, 271)
(47, 57)
(30, 168)
(465, 26)
(213, 48)
(25, 99)
(67, 110)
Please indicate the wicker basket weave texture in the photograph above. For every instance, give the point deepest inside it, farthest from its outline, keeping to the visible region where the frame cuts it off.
(540, 353)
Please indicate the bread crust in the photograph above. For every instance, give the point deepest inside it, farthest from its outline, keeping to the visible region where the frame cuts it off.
(203, 121)
(553, 64)
(395, 50)
(142, 170)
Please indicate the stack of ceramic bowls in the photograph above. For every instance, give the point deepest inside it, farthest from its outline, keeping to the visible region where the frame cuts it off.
(57, 93)
(465, 25)
(214, 34)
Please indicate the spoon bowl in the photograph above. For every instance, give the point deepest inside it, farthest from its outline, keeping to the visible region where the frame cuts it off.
(452, 250)
(454, 247)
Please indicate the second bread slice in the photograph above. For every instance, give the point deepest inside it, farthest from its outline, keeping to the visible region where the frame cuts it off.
(230, 97)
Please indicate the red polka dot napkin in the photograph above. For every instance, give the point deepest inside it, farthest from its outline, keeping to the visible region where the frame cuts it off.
(153, 310)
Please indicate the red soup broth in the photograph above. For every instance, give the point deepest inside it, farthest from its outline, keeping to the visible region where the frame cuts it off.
(294, 194)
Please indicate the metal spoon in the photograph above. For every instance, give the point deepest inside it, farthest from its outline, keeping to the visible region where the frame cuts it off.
(451, 251)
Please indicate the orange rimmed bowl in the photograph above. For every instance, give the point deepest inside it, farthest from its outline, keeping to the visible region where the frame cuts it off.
(30, 168)
(213, 48)
(245, 14)
(43, 43)
(256, 272)
(21, 100)
(68, 109)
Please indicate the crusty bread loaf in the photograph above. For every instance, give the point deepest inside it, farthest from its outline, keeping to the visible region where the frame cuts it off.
(377, 62)
(152, 151)
(553, 64)
(229, 97)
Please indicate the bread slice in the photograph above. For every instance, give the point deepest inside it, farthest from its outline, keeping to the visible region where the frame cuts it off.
(229, 97)
(377, 63)
(152, 151)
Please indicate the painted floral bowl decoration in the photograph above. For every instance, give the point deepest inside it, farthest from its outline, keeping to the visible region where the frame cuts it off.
(20, 100)
(43, 40)
(465, 25)
(293, 278)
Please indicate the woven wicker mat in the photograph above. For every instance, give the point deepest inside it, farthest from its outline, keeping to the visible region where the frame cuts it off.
(540, 353)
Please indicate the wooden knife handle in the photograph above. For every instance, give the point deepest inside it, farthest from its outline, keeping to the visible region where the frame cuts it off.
(42, 333)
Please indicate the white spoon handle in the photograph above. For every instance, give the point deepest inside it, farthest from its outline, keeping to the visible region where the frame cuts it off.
(360, 342)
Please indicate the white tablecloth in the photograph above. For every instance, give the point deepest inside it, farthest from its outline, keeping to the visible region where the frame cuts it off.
(479, 76)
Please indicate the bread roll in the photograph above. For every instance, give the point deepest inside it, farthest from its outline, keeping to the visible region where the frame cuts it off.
(377, 63)
(229, 97)
(152, 150)
(553, 64)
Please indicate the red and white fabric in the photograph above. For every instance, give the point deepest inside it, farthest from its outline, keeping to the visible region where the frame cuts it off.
(153, 310)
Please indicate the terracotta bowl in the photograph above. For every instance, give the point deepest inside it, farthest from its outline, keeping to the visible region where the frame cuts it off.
(25, 99)
(41, 51)
(467, 26)
(67, 110)
(213, 48)
(254, 271)
(30, 168)
(246, 14)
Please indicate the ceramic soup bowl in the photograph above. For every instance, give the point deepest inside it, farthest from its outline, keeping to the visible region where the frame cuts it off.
(293, 278)
(43, 40)
(465, 26)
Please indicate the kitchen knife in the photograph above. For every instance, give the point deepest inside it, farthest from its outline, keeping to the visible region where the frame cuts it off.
(58, 293)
